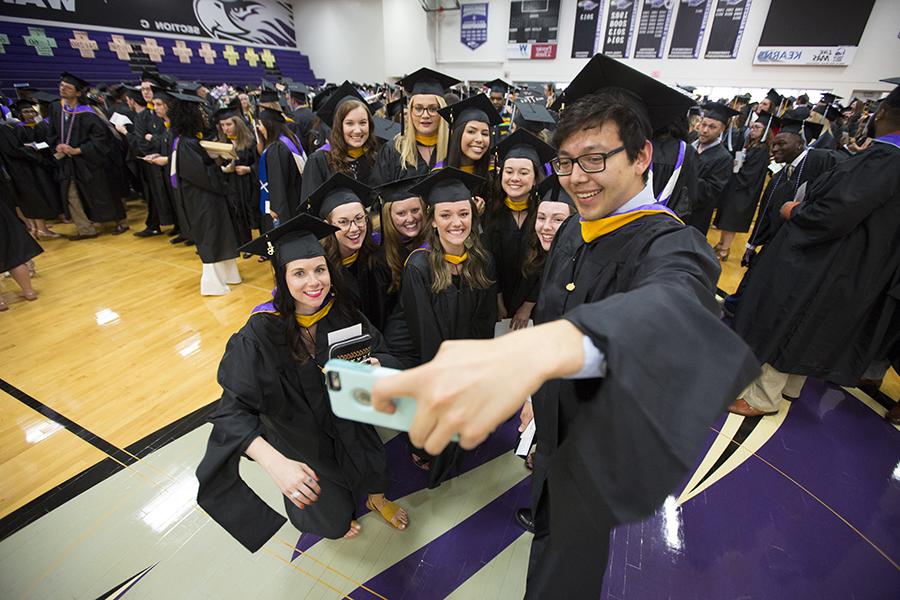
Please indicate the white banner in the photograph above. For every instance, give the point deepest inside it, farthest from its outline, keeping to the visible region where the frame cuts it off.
(822, 56)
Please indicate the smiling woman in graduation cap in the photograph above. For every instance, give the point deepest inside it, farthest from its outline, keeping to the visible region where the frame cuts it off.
(630, 358)
(351, 147)
(422, 144)
(520, 165)
(342, 201)
(448, 290)
(274, 407)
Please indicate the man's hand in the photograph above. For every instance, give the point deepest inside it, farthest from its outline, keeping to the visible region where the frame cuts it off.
(526, 416)
(472, 386)
(148, 137)
(786, 209)
(121, 129)
(242, 169)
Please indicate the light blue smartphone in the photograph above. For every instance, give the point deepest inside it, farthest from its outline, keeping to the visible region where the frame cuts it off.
(350, 391)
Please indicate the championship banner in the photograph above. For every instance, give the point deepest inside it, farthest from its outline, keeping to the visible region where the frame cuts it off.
(267, 23)
(473, 25)
(653, 26)
(690, 24)
(619, 28)
(586, 41)
(727, 28)
(533, 29)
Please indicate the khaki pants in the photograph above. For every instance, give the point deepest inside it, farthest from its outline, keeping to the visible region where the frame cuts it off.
(82, 223)
(765, 392)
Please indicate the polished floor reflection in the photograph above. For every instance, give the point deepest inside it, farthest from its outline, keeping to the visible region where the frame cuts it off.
(104, 384)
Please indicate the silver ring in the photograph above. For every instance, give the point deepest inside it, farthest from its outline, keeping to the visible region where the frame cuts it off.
(295, 494)
(309, 480)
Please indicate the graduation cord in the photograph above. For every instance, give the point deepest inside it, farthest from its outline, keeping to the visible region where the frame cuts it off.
(772, 191)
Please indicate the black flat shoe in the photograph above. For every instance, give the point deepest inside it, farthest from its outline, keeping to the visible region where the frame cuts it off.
(525, 519)
(82, 236)
(188, 242)
(120, 229)
(147, 233)
(172, 232)
(177, 239)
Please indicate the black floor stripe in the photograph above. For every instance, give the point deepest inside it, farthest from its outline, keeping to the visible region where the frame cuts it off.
(97, 473)
(740, 436)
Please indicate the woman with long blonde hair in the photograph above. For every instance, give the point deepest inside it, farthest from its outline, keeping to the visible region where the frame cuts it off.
(422, 144)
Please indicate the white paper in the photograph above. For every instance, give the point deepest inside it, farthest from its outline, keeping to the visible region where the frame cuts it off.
(502, 327)
(37, 145)
(775, 167)
(336, 337)
(525, 439)
(119, 119)
(801, 192)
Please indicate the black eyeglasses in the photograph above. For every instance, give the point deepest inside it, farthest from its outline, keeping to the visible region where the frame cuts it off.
(594, 162)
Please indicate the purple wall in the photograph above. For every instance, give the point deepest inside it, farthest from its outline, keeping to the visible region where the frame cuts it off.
(21, 63)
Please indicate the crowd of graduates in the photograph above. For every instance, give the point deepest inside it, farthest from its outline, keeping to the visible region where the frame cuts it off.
(438, 206)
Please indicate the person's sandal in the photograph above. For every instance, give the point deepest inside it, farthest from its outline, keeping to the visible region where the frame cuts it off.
(388, 511)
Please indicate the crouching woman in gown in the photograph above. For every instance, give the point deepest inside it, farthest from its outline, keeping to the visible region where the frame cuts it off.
(275, 410)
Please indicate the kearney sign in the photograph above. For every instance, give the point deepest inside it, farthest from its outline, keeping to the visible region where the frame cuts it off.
(821, 56)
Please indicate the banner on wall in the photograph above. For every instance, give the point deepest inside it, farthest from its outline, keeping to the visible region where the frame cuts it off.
(619, 28)
(653, 27)
(473, 25)
(533, 29)
(727, 28)
(586, 41)
(690, 25)
(260, 23)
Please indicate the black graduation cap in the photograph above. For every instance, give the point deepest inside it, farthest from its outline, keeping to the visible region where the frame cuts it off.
(830, 111)
(268, 96)
(22, 104)
(664, 104)
(294, 239)
(190, 86)
(169, 94)
(475, 108)
(339, 189)
(232, 110)
(522, 144)
(395, 107)
(134, 93)
(44, 97)
(385, 129)
(158, 79)
(427, 81)
(533, 116)
(79, 83)
(322, 96)
(447, 185)
(893, 98)
(718, 111)
(399, 189)
(812, 131)
(298, 91)
(745, 98)
(829, 98)
(552, 191)
(891, 80)
(790, 123)
(24, 87)
(498, 86)
(345, 91)
(271, 114)
(767, 119)
(774, 97)
(688, 88)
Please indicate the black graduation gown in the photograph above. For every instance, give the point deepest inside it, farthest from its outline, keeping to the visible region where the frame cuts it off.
(201, 190)
(154, 179)
(713, 171)
(741, 195)
(284, 181)
(16, 246)
(508, 244)
(243, 195)
(618, 445)
(389, 167)
(783, 189)
(317, 171)
(665, 156)
(265, 392)
(369, 281)
(423, 320)
(36, 188)
(826, 141)
(303, 119)
(824, 299)
(89, 170)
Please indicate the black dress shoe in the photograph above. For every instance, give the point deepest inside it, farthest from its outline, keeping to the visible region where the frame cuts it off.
(147, 233)
(173, 231)
(177, 239)
(82, 236)
(525, 519)
(120, 229)
(188, 242)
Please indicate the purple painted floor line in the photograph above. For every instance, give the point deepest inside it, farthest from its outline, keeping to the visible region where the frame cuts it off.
(406, 478)
(442, 565)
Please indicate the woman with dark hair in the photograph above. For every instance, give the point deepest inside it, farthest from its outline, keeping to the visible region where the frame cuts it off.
(422, 144)
(471, 121)
(743, 191)
(342, 201)
(37, 188)
(240, 173)
(280, 169)
(511, 214)
(17, 248)
(448, 290)
(274, 407)
(199, 187)
(351, 147)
